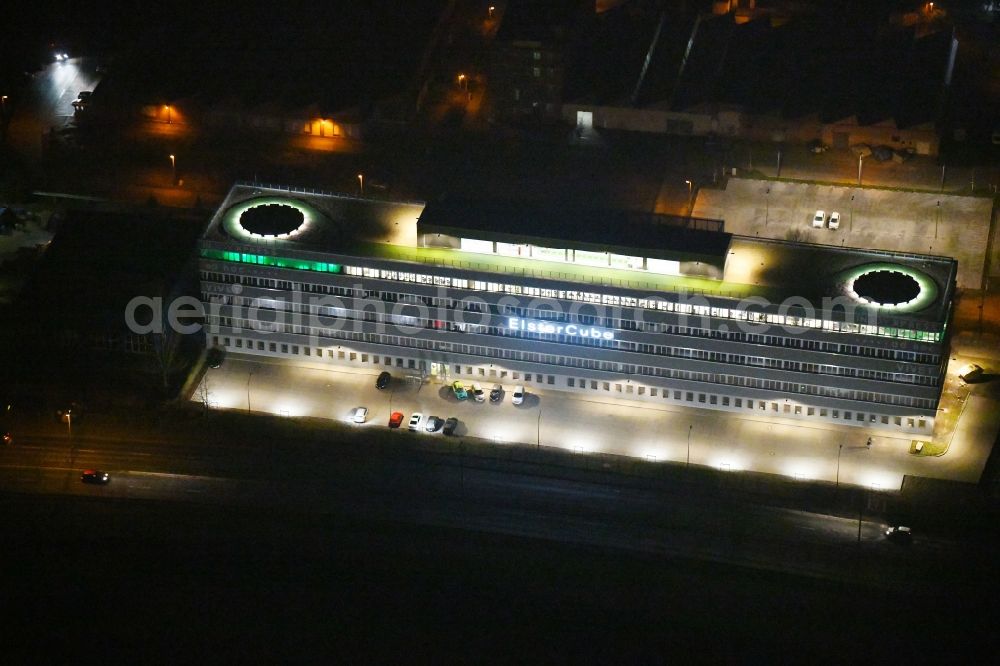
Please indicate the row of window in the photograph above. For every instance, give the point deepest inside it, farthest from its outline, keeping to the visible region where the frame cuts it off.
(620, 345)
(588, 363)
(606, 322)
(653, 303)
(701, 399)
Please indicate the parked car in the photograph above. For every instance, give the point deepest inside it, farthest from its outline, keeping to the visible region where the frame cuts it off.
(834, 220)
(496, 393)
(395, 419)
(819, 219)
(415, 421)
(518, 396)
(899, 534)
(459, 390)
(970, 372)
(214, 357)
(450, 425)
(95, 476)
(360, 415)
(383, 380)
(816, 147)
(882, 153)
(478, 393)
(433, 423)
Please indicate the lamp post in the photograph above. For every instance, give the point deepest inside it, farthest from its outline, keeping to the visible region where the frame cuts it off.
(492, 9)
(462, 81)
(3, 105)
(167, 107)
(688, 463)
(249, 377)
(840, 449)
(538, 430)
(690, 192)
(361, 183)
(861, 160)
(173, 168)
(767, 205)
(937, 218)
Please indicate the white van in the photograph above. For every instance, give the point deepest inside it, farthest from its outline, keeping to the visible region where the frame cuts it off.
(518, 397)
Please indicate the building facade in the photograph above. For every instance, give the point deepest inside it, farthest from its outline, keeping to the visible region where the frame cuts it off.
(842, 336)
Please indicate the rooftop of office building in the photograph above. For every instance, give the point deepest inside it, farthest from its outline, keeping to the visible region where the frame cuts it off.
(614, 249)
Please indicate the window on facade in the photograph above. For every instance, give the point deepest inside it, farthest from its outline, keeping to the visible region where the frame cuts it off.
(571, 382)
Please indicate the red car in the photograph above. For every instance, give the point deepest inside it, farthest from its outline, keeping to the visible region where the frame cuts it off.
(395, 419)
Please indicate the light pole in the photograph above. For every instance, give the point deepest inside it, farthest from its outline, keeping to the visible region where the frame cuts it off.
(767, 205)
(861, 159)
(173, 168)
(167, 107)
(538, 430)
(840, 449)
(249, 377)
(361, 183)
(937, 218)
(690, 193)
(688, 463)
(3, 105)
(462, 82)
(492, 9)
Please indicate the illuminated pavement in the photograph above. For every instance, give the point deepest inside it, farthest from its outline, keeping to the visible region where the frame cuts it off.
(48, 103)
(559, 419)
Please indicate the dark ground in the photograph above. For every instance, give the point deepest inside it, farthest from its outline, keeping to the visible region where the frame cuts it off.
(188, 583)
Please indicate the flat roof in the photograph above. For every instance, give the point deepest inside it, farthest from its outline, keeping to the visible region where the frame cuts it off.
(626, 232)
(780, 271)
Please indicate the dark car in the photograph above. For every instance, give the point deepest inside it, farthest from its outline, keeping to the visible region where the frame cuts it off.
(899, 534)
(496, 393)
(450, 425)
(433, 423)
(214, 357)
(383, 380)
(95, 476)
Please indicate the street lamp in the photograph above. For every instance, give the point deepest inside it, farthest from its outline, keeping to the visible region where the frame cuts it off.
(690, 188)
(249, 377)
(688, 463)
(173, 168)
(3, 104)
(767, 205)
(461, 81)
(538, 430)
(167, 107)
(361, 183)
(492, 9)
(840, 449)
(861, 160)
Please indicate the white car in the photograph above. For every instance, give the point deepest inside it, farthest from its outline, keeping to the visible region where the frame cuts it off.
(415, 421)
(834, 220)
(477, 392)
(518, 397)
(360, 415)
(819, 219)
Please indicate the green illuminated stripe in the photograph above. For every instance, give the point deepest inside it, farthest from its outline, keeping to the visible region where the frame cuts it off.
(268, 260)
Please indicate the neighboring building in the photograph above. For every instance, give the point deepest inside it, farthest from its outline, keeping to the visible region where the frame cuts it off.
(529, 58)
(596, 302)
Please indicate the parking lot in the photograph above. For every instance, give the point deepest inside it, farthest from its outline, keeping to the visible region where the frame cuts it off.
(587, 425)
(912, 222)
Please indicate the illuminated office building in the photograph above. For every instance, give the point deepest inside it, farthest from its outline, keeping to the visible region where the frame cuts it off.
(607, 303)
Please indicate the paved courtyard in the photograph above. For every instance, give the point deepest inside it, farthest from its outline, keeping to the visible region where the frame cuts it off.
(583, 424)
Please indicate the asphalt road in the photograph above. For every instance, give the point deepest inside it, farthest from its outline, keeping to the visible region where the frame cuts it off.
(424, 487)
